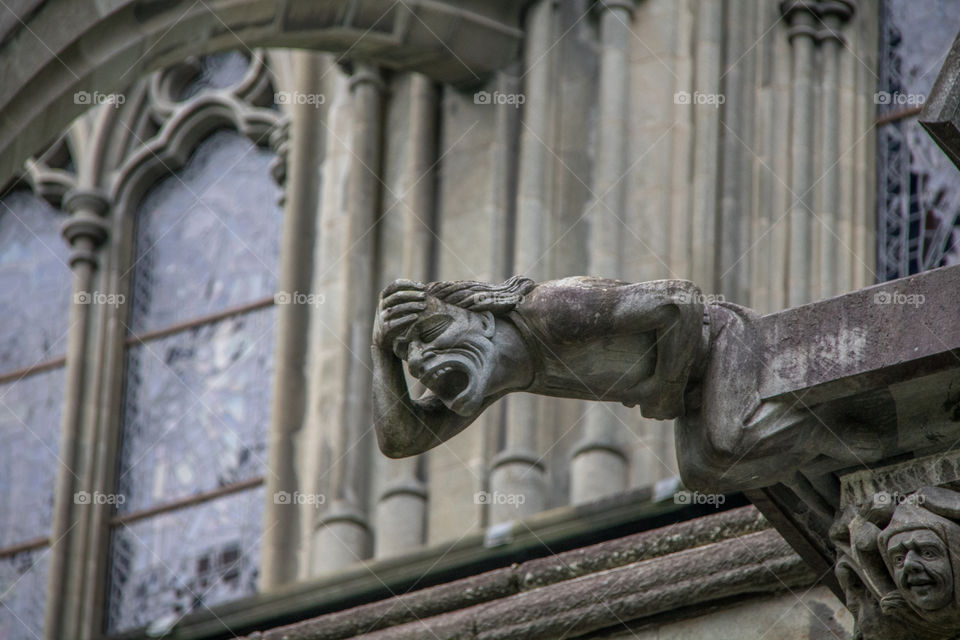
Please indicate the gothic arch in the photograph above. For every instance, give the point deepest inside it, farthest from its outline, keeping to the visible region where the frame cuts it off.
(51, 51)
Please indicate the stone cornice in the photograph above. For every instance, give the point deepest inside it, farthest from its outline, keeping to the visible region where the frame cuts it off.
(684, 565)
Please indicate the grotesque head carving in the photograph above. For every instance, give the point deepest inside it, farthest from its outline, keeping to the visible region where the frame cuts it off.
(450, 346)
(899, 564)
(920, 563)
(919, 547)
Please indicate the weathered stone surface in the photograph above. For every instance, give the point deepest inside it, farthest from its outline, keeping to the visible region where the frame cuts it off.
(813, 614)
(862, 340)
(402, 614)
(899, 564)
(941, 112)
(638, 590)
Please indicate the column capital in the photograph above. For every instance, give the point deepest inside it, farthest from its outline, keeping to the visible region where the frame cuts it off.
(362, 73)
(627, 5)
(85, 229)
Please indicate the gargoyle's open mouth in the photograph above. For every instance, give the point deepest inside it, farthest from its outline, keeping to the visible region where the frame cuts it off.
(447, 381)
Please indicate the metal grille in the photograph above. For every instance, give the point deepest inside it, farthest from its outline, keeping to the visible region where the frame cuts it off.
(919, 199)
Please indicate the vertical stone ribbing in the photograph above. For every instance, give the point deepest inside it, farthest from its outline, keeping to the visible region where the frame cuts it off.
(599, 464)
(737, 147)
(401, 508)
(516, 469)
(803, 35)
(85, 231)
(681, 147)
(835, 122)
(281, 539)
(342, 532)
(865, 231)
(777, 171)
(706, 152)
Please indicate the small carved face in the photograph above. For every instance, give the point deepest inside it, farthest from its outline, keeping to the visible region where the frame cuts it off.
(449, 349)
(921, 568)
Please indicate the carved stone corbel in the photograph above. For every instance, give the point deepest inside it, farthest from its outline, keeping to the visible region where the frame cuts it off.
(897, 539)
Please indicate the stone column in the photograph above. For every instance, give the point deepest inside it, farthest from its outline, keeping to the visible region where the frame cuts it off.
(737, 145)
(517, 469)
(801, 16)
(342, 534)
(401, 511)
(835, 225)
(706, 144)
(85, 231)
(304, 145)
(773, 200)
(599, 465)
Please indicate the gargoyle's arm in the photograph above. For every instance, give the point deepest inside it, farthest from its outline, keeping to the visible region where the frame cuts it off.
(405, 426)
(674, 310)
(586, 309)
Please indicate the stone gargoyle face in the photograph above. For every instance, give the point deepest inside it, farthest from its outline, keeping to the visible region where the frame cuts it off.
(450, 350)
(921, 568)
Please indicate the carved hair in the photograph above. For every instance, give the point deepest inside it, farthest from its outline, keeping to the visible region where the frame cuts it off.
(498, 299)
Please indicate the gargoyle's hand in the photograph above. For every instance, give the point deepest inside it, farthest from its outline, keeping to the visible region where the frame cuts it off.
(400, 303)
(660, 400)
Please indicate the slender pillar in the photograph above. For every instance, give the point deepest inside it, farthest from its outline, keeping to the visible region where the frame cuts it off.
(802, 33)
(342, 532)
(835, 221)
(85, 231)
(736, 145)
(706, 144)
(401, 510)
(303, 149)
(600, 463)
(517, 470)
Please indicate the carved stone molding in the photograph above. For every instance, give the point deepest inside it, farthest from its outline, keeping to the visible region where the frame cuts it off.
(898, 562)
(817, 19)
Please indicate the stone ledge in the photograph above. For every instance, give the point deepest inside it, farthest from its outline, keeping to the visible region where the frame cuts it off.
(690, 563)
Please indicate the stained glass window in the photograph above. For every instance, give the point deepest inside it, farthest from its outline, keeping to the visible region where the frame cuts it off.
(197, 406)
(35, 289)
(197, 399)
(23, 583)
(169, 565)
(207, 237)
(919, 188)
(35, 282)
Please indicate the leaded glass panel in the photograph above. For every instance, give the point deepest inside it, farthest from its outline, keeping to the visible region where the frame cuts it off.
(208, 237)
(23, 584)
(197, 410)
(919, 199)
(217, 71)
(35, 282)
(186, 560)
(30, 411)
